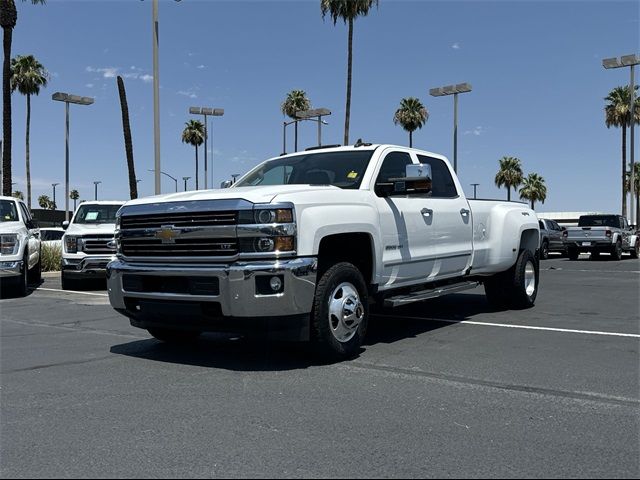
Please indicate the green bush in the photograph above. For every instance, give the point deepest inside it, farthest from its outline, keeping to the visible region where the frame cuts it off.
(51, 258)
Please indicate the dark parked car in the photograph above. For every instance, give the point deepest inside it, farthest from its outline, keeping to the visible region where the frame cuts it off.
(551, 239)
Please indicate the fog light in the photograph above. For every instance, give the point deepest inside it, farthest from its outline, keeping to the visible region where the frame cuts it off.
(265, 245)
(275, 283)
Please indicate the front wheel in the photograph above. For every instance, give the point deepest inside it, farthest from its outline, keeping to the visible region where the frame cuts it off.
(340, 311)
(616, 252)
(635, 250)
(573, 253)
(544, 250)
(35, 276)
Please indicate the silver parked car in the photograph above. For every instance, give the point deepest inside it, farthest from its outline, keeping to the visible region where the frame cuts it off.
(551, 239)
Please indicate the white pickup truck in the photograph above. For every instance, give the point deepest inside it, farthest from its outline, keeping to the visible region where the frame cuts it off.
(20, 244)
(302, 243)
(87, 245)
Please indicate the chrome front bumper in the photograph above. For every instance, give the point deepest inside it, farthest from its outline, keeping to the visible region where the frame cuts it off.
(91, 266)
(237, 294)
(11, 269)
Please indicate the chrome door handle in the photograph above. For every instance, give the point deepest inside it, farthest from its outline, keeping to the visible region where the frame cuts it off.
(426, 212)
(464, 212)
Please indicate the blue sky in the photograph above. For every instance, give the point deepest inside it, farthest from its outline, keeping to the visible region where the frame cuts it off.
(535, 67)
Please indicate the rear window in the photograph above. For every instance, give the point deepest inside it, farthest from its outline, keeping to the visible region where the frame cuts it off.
(599, 221)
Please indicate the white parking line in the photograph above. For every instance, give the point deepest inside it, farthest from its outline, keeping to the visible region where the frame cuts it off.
(524, 327)
(72, 291)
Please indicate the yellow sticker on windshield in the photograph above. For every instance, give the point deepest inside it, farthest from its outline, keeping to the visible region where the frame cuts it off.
(352, 175)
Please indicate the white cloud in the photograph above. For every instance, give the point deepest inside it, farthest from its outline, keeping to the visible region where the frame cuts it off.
(476, 131)
(134, 73)
(146, 78)
(89, 85)
(188, 93)
(456, 46)
(200, 67)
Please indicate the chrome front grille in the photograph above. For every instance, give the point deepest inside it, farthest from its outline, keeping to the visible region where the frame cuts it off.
(97, 245)
(181, 247)
(181, 219)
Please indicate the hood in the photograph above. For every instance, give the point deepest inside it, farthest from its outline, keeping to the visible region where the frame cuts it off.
(261, 194)
(12, 227)
(88, 229)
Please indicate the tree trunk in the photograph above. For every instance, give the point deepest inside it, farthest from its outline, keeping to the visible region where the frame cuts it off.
(196, 167)
(295, 148)
(28, 164)
(128, 145)
(74, 204)
(532, 203)
(349, 65)
(410, 139)
(637, 209)
(508, 193)
(6, 113)
(624, 170)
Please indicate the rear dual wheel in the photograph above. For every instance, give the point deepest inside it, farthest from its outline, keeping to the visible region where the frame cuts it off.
(517, 287)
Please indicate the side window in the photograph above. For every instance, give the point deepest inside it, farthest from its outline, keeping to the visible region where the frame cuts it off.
(25, 214)
(393, 166)
(541, 224)
(442, 181)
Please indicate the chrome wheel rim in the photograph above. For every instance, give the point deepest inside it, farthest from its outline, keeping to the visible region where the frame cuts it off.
(529, 278)
(346, 312)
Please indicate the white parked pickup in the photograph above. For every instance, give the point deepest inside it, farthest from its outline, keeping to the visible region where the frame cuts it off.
(88, 244)
(301, 244)
(19, 246)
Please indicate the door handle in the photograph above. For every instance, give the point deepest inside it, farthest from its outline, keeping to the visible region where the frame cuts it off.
(464, 212)
(426, 212)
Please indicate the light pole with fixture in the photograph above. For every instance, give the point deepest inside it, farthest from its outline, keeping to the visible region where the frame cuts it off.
(213, 112)
(453, 90)
(306, 115)
(54, 185)
(95, 186)
(172, 178)
(67, 99)
(474, 189)
(185, 182)
(628, 61)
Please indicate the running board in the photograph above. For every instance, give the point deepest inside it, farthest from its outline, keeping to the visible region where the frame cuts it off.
(420, 295)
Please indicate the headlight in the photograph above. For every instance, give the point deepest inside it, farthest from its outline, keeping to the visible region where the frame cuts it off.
(71, 243)
(279, 215)
(9, 244)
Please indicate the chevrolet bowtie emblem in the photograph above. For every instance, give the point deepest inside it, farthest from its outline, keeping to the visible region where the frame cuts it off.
(167, 234)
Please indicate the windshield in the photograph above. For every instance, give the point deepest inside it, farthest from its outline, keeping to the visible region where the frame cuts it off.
(49, 235)
(341, 169)
(96, 214)
(8, 212)
(599, 221)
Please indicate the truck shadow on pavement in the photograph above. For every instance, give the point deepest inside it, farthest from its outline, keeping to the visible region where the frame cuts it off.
(232, 352)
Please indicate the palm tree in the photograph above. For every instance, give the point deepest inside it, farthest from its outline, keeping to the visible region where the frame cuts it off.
(128, 145)
(411, 115)
(617, 115)
(27, 76)
(193, 134)
(533, 189)
(636, 188)
(8, 20)
(348, 11)
(296, 101)
(74, 195)
(509, 175)
(45, 202)
(18, 194)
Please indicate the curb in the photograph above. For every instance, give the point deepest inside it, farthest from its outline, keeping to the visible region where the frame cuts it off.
(51, 274)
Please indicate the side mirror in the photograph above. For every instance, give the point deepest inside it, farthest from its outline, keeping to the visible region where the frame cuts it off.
(65, 224)
(416, 182)
(226, 184)
(563, 228)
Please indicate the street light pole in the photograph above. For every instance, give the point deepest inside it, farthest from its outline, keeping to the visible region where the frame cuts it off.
(310, 114)
(67, 99)
(185, 182)
(206, 111)
(172, 178)
(453, 90)
(474, 189)
(628, 61)
(54, 194)
(95, 185)
(156, 98)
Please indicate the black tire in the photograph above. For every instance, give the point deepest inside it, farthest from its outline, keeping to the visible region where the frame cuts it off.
(544, 250)
(573, 253)
(341, 282)
(35, 275)
(616, 251)
(595, 256)
(635, 250)
(168, 335)
(23, 280)
(514, 288)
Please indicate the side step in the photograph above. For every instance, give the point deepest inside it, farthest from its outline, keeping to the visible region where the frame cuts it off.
(425, 294)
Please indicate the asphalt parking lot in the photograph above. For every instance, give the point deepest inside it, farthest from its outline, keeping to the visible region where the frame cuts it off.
(445, 388)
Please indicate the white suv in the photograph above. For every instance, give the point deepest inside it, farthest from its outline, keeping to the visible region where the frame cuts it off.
(87, 245)
(20, 261)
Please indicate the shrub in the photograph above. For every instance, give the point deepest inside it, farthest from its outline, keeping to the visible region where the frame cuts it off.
(51, 258)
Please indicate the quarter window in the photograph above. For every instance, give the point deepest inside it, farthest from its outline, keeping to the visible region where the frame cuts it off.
(442, 181)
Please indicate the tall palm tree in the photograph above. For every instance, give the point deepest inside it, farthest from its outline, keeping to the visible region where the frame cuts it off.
(509, 175)
(348, 11)
(411, 115)
(18, 194)
(193, 134)
(636, 188)
(28, 76)
(296, 101)
(45, 202)
(74, 195)
(616, 114)
(8, 20)
(128, 145)
(533, 189)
